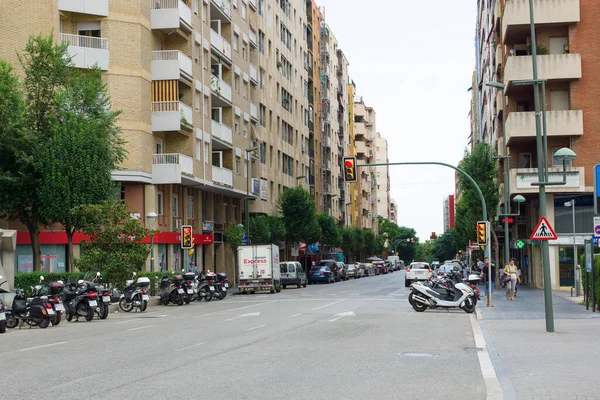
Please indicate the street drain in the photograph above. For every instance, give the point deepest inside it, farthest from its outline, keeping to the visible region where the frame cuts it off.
(417, 355)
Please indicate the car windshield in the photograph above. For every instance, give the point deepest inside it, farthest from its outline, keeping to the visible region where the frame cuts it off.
(446, 268)
(419, 266)
(350, 266)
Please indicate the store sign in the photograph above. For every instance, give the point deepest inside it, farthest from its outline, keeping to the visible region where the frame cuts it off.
(207, 227)
(525, 180)
(256, 186)
(264, 193)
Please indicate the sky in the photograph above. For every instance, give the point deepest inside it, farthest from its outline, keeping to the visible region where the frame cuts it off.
(412, 61)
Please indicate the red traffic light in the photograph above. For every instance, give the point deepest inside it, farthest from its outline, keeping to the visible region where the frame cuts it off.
(510, 220)
(186, 231)
(349, 163)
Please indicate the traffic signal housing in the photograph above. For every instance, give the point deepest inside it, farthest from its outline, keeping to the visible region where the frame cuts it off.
(187, 240)
(482, 233)
(350, 169)
(510, 220)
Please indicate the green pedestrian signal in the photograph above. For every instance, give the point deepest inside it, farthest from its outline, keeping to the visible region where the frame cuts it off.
(520, 244)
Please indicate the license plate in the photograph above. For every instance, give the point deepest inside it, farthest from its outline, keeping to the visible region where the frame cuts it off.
(59, 307)
(190, 291)
(212, 288)
(93, 303)
(180, 291)
(2, 317)
(50, 311)
(145, 297)
(227, 285)
(106, 299)
(224, 289)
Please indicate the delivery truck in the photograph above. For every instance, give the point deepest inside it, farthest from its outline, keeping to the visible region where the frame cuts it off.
(259, 268)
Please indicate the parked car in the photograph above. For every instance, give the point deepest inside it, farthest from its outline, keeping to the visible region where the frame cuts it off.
(391, 267)
(333, 266)
(456, 264)
(292, 273)
(368, 269)
(354, 271)
(321, 274)
(342, 271)
(380, 267)
(435, 265)
(417, 271)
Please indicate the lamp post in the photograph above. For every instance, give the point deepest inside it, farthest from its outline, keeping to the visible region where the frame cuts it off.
(151, 218)
(575, 285)
(246, 202)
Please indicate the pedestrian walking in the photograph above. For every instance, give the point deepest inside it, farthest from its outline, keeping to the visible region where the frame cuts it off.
(487, 276)
(512, 277)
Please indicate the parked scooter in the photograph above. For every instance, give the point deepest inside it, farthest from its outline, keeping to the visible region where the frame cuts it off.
(203, 289)
(80, 299)
(52, 291)
(103, 295)
(459, 295)
(36, 313)
(190, 293)
(2, 310)
(135, 296)
(171, 290)
(223, 285)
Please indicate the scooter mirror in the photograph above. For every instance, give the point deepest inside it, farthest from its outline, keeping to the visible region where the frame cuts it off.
(41, 278)
(182, 270)
(1, 277)
(98, 273)
(134, 273)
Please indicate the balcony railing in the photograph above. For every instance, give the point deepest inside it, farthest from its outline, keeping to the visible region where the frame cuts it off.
(219, 43)
(185, 162)
(222, 176)
(559, 123)
(86, 51)
(220, 87)
(167, 168)
(171, 116)
(90, 7)
(170, 64)
(170, 14)
(550, 67)
(84, 41)
(224, 6)
(222, 132)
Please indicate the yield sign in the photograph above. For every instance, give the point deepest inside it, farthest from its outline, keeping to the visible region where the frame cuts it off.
(543, 231)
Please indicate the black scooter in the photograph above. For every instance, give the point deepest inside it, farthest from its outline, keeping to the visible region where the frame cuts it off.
(2, 310)
(80, 300)
(171, 290)
(36, 313)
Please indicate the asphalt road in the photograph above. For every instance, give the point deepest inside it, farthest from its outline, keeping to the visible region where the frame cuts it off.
(349, 340)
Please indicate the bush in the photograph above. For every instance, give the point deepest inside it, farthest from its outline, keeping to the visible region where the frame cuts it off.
(26, 280)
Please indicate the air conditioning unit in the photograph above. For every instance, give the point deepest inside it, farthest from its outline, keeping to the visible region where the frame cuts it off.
(176, 223)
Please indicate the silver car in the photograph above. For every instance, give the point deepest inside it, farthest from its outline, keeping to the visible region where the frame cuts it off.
(354, 271)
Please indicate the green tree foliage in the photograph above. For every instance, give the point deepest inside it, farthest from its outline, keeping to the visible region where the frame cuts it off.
(298, 211)
(481, 166)
(357, 242)
(84, 149)
(368, 242)
(348, 245)
(114, 247)
(276, 228)
(330, 234)
(424, 252)
(266, 229)
(233, 234)
(404, 246)
(27, 112)
(444, 247)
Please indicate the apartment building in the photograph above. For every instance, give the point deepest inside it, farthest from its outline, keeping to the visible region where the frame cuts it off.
(382, 177)
(355, 203)
(214, 102)
(393, 211)
(448, 211)
(343, 135)
(567, 61)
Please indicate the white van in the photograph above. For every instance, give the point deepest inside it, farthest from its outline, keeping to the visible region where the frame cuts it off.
(292, 273)
(395, 261)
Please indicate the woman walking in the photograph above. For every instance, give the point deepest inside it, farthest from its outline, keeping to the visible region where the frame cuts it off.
(510, 271)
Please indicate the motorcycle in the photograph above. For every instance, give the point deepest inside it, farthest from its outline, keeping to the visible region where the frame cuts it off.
(80, 299)
(223, 285)
(103, 295)
(171, 290)
(203, 289)
(190, 292)
(2, 311)
(135, 296)
(36, 313)
(52, 290)
(458, 295)
(214, 286)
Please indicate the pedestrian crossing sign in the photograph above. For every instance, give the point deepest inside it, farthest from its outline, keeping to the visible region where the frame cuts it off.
(543, 231)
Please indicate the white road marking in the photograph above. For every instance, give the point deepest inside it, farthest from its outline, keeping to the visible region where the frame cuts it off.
(492, 384)
(42, 346)
(203, 315)
(395, 292)
(140, 327)
(252, 305)
(128, 321)
(256, 327)
(342, 315)
(73, 381)
(191, 347)
(254, 314)
(295, 315)
(327, 305)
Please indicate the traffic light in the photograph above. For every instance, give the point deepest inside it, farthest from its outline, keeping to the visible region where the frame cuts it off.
(187, 240)
(482, 236)
(510, 220)
(349, 169)
(433, 236)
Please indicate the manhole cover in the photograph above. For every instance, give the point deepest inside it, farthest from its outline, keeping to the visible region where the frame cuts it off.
(417, 354)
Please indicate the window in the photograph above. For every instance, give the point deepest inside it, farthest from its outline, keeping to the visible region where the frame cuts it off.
(285, 35)
(236, 125)
(206, 153)
(190, 207)
(205, 106)
(286, 68)
(244, 10)
(261, 41)
(197, 100)
(245, 89)
(159, 203)
(262, 150)
(244, 50)
(261, 78)
(245, 128)
(286, 100)
(175, 206)
(236, 82)
(198, 149)
(195, 2)
(285, 6)
(159, 145)
(236, 41)
(205, 58)
(524, 160)
(204, 12)
(262, 114)
(260, 7)
(237, 165)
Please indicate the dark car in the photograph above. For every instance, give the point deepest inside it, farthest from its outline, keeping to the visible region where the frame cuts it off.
(320, 274)
(333, 266)
(389, 266)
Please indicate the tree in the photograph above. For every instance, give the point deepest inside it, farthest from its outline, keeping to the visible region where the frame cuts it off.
(330, 234)
(404, 244)
(26, 115)
(444, 247)
(424, 252)
(276, 229)
(260, 232)
(84, 149)
(114, 247)
(368, 242)
(357, 242)
(233, 234)
(348, 244)
(298, 210)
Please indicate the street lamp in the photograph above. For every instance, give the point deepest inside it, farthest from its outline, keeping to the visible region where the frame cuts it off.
(246, 203)
(151, 218)
(575, 285)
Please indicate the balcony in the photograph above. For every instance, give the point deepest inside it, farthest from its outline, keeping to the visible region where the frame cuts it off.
(360, 147)
(521, 180)
(171, 116)
(222, 176)
(168, 168)
(551, 66)
(221, 90)
(221, 9)
(171, 64)
(252, 37)
(515, 21)
(223, 133)
(86, 51)
(90, 7)
(253, 5)
(253, 75)
(327, 141)
(253, 112)
(221, 46)
(170, 15)
(558, 123)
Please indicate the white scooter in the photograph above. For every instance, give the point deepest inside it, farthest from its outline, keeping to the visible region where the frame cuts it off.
(461, 296)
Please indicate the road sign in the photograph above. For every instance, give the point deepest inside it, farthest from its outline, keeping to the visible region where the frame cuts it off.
(543, 231)
(596, 227)
(244, 239)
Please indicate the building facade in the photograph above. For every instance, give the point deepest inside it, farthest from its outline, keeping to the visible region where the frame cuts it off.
(382, 177)
(448, 211)
(394, 211)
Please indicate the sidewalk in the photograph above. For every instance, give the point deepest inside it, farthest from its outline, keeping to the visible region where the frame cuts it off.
(533, 364)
